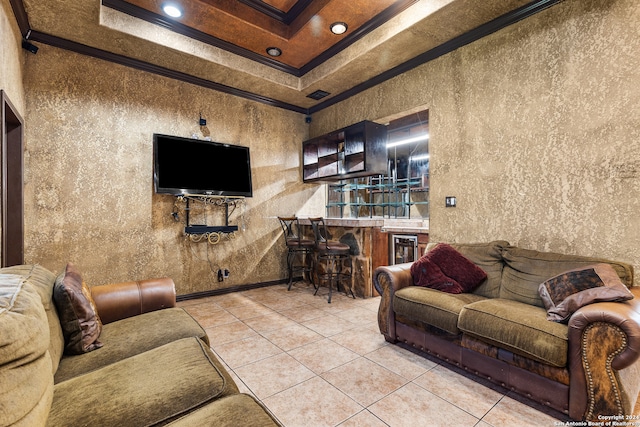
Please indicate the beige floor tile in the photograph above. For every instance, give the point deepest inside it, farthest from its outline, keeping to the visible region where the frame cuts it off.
(401, 361)
(249, 310)
(364, 381)
(464, 392)
(270, 322)
(245, 351)
(188, 303)
(273, 375)
(373, 326)
(231, 300)
(313, 403)
(400, 387)
(358, 315)
(292, 337)
(282, 303)
(264, 292)
(229, 332)
(363, 419)
(303, 313)
(212, 317)
(270, 293)
(329, 325)
(207, 301)
(242, 387)
(413, 406)
(322, 356)
(371, 304)
(360, 340)
(306, 296)
(509, 412)
(339, 301)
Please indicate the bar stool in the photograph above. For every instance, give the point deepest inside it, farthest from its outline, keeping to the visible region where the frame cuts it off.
(331, 257)
(297, 245)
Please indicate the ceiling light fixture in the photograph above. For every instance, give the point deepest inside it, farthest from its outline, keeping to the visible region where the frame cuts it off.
(338, 28)
(172, 10)
(419, 157)
(274, 51)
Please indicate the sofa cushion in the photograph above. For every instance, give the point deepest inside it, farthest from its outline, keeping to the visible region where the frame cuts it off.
(487, 256)
(525, 269)
(445, 269)
(517, 327)
(432, 307)
(565, 293)
(133, 335)
(148, 388)
(43, 281)
(81, 325)
(230, 411)
(26, 380)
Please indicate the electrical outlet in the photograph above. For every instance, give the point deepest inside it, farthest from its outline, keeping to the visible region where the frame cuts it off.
(223, 273)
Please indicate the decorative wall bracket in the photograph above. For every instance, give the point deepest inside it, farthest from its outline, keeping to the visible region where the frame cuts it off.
(208, 233)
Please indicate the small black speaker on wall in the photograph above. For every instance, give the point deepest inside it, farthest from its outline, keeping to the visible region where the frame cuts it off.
(26, 45)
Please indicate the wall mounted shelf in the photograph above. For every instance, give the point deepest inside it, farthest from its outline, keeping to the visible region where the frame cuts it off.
(354, 151)
(211, 233)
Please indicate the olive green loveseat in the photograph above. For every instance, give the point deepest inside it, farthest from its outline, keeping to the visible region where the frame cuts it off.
(154, 366)
(588, 368)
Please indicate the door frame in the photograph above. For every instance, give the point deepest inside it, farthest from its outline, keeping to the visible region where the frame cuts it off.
(11, 184)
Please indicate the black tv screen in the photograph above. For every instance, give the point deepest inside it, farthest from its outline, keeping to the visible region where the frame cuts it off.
(193, 166)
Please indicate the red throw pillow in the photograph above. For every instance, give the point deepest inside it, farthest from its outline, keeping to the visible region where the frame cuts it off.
(445, 269)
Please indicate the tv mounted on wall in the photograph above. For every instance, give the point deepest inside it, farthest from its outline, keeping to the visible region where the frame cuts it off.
(194, 166)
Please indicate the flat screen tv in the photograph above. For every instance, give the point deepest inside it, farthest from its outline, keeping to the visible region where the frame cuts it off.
(193, 166)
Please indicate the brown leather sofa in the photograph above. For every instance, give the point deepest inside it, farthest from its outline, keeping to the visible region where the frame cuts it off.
(155, 366)
(587, 368)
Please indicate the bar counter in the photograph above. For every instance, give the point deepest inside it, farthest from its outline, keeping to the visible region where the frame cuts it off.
(369, 242)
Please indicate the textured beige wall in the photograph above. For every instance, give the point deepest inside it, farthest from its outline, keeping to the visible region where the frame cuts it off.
(88, 184)
(535, 129)
(11, 55)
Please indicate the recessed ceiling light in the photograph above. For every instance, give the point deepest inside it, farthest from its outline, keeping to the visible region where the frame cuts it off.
(338, 28)
(274, 51)
(172, 10)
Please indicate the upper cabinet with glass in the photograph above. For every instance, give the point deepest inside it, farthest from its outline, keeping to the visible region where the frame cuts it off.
(408, 146)
(355, 151)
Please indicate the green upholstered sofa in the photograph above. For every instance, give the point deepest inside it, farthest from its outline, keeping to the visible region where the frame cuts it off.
(155, 366)
(587, 368)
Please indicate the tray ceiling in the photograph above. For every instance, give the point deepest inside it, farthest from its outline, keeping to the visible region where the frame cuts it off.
(221, 44)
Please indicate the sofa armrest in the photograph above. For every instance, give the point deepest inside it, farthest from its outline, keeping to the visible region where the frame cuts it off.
(121, 300)
(604, 352)
(387, 280)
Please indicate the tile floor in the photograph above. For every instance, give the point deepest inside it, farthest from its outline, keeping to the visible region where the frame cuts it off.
(315, 364)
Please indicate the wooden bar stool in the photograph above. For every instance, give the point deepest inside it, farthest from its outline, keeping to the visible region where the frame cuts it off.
(333, 259)
(297, 247)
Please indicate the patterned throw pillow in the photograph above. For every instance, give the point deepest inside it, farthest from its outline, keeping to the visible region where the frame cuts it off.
(79, 318)
(565, 293)
(445, 269)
